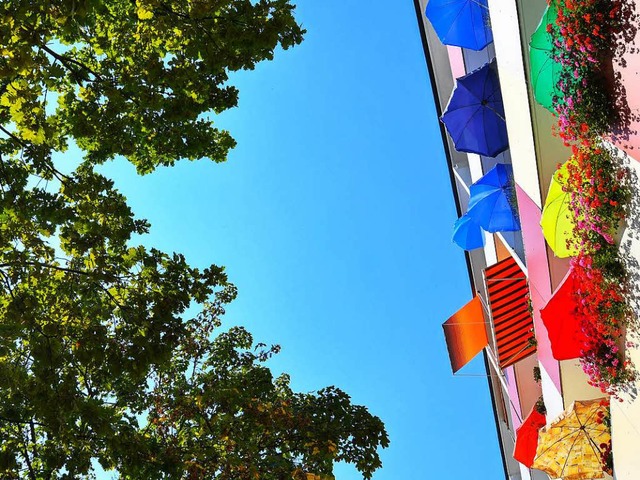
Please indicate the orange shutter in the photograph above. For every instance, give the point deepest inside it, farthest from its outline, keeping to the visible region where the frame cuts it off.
(465, 334)
(508, 291)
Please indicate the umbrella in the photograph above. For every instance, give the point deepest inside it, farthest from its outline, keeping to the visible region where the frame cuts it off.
(545, 71)
(463, 23)
(569, 448)
(527, 437)
(557, 221)
(467, 233)
(474, 116)
(563, 326)
(492, 199)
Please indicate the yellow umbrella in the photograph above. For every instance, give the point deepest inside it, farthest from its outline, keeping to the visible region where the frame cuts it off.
(557, 220)
(569, 448)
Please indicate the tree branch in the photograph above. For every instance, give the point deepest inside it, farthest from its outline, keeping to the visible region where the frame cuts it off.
(66, 60)
(30, 148)
(17, 139)
(32, 430)
(20, 422)
(54, 267)
(25, 452)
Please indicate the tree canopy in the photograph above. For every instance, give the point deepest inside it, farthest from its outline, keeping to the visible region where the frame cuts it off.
(101, 358)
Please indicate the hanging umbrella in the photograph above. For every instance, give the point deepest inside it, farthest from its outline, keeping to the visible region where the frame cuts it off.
(463, 23)
(527, 437)
(467, 233)
(545, 71)
(557, 221)
(474, 116)
(569, 448)
(563, 325)
(492, 200)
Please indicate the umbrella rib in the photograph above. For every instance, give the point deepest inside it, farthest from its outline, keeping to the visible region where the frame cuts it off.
(566, 460)
(555, 239)
(597, 429)
(595, 410)
(454, 21)
(467, 122)
(459, 86)
(494, 111)
(556, 441)
(478, 33)
(486, 80)
(592, 443)
(595, 448)
(557, 224)
(481, 5)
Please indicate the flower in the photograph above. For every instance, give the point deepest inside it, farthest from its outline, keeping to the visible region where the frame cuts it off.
(598, 190)
(584, 35)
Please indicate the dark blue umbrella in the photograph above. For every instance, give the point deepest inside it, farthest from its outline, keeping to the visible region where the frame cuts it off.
(492, 202)
(463, 23)
(474, 116)
(467, 233)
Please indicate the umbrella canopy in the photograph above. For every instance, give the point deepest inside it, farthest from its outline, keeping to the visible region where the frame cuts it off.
(463, 23)
(492, 200)
(527, 437)
(563, 326)
(557, 220)
(545, 71)
(467, 233)
(569, 448)
(474, 116)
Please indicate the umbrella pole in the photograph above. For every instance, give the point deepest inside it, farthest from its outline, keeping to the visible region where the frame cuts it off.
(487, 310)
(499, 373)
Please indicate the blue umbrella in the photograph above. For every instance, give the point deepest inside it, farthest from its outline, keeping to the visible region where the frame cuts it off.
(467, 233)
(474, 116)
(463, 23)
(492, 202)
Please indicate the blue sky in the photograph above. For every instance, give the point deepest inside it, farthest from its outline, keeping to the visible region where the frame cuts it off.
(333, 216)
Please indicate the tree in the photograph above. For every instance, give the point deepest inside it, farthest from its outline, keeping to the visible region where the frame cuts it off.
(100, 357)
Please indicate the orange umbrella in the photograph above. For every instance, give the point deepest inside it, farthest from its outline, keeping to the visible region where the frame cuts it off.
(563, 325)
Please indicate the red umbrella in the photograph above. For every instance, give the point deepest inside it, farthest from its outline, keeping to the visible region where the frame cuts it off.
(559, 316)
(527, 437)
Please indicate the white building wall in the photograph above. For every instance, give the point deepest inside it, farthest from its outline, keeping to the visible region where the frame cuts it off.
(506, 34)
(625, 415)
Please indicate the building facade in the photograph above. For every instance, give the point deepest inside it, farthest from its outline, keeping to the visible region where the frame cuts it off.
(522, 372)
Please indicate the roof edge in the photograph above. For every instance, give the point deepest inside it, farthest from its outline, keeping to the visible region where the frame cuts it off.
(443, 133)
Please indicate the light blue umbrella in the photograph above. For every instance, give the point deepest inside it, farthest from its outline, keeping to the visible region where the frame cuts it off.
(467, 233)
(493, 201)
(463, 23)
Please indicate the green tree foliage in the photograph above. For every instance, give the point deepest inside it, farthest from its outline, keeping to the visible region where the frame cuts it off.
(101, 359)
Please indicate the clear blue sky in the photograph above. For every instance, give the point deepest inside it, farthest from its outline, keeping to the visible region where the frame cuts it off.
(333, 216)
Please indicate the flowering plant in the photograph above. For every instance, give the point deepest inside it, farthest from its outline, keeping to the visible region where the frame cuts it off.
(603, 314)
(599, 189)
(584, 34)
(584, 42)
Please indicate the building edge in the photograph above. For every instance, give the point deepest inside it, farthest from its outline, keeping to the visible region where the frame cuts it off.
(472, 286)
